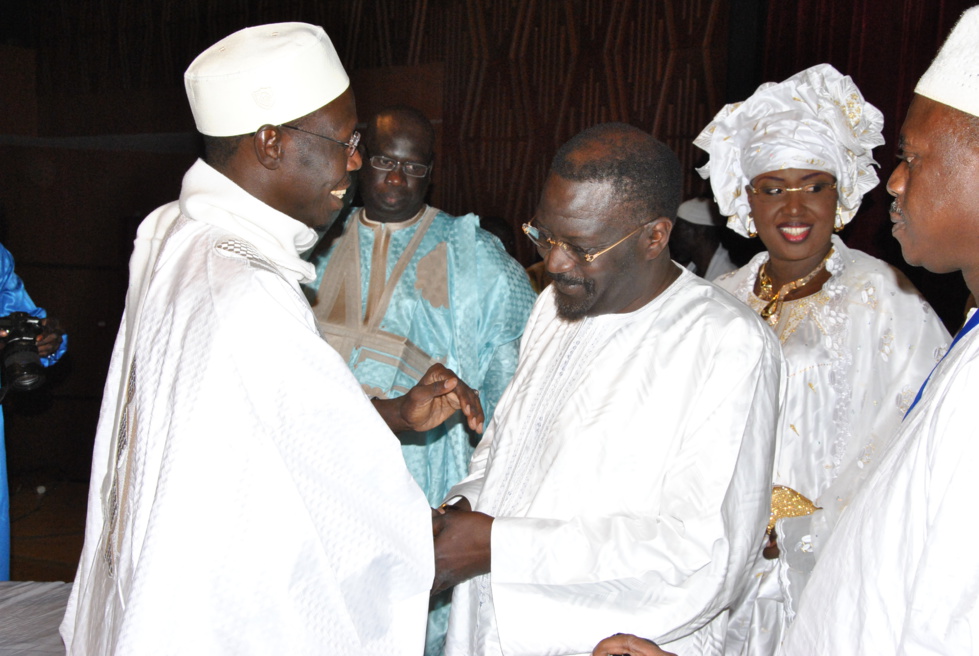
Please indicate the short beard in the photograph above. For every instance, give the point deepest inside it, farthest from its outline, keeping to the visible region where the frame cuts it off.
(574, 311)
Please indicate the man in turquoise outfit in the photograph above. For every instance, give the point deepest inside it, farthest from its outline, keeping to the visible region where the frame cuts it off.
(51, 345)
(408, 285)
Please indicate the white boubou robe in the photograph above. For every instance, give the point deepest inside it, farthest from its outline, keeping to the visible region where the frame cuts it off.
(856, 352)
(233, 505)
(627, 467)
(899, 574)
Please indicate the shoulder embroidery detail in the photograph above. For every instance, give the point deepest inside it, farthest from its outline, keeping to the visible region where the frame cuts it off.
(238, 248)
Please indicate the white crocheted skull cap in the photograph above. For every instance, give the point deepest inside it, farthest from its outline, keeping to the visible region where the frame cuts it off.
(817, 119)
(264, 75)
(696, 211)
(953, 77)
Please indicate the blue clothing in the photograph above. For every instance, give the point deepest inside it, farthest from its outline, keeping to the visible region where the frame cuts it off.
(14, 298)
(395, 298)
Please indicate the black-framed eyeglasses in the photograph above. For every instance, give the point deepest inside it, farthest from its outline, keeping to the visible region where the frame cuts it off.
(414, 169)
(351, 145)
(576, 253)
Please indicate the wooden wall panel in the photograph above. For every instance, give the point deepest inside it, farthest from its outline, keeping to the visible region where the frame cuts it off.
(512, 80)
(885, 48)
(506, 81)
(520, 76)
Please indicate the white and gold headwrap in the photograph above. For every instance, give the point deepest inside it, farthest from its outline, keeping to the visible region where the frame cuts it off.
(817, 119)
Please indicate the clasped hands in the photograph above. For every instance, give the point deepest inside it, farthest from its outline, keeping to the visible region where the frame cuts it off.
(462, 544)
(462, 537)
(436, 397)
(462, 551)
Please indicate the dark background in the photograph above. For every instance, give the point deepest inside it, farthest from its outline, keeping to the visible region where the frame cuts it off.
(96, 131)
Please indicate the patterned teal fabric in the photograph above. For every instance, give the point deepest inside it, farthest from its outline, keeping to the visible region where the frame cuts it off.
(476, 333)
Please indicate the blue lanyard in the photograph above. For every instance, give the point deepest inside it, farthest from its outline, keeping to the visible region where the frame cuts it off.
(970, 324)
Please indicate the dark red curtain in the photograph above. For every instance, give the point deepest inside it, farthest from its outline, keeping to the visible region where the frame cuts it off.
(885, 46)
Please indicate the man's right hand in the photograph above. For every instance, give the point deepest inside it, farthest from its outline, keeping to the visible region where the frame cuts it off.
(436, 397)
(50, 340)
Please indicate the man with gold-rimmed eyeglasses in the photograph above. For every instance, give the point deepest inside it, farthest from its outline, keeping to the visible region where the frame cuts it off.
(626, 472)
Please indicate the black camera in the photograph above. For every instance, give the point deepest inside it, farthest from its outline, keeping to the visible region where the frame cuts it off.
(22, 369)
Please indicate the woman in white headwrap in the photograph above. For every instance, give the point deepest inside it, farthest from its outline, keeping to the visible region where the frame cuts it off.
(791, 164)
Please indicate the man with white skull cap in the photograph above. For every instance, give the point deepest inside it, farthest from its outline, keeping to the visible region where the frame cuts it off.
(237, 462)
(899, 575)
(695, 241)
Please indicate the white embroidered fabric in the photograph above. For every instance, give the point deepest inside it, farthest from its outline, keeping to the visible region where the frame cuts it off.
(626, 467)
(856, 353)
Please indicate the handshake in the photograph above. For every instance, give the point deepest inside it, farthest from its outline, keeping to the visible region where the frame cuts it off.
(462, 544)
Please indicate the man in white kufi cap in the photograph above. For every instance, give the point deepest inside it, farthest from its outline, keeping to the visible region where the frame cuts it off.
(238, 467)
(695, 241)
(899, 574)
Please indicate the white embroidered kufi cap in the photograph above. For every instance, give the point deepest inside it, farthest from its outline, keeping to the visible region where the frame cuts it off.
(953, 78)
(817, 119)
(696, 211)
(269, 74)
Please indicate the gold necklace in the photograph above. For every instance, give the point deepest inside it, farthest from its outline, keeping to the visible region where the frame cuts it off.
(773, 307)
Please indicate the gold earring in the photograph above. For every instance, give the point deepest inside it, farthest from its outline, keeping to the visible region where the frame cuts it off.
(752, 233)
(838, 221)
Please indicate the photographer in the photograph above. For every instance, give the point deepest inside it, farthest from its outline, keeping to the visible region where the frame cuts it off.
(51, 345)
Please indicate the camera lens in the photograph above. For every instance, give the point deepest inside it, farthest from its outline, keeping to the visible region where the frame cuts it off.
(22, 365)
(22, 368)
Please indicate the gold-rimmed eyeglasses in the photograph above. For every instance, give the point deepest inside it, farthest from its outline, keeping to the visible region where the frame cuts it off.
(772, 193)
(576, 253)
(351, 145)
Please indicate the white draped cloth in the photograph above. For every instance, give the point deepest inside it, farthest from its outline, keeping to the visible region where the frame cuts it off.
(900, 574)
(720, 263)
(856, 353)
(627, 466)
(237, 466)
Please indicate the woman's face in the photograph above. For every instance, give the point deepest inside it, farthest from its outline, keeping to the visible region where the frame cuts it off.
(794, 212)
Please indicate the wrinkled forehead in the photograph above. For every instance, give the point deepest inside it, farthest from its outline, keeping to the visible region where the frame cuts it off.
(338, 118)
(579, 207)
(931, 124)
(389, 131)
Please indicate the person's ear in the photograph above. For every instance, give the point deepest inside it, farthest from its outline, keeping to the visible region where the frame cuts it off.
(656, 236)
(268, 147)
